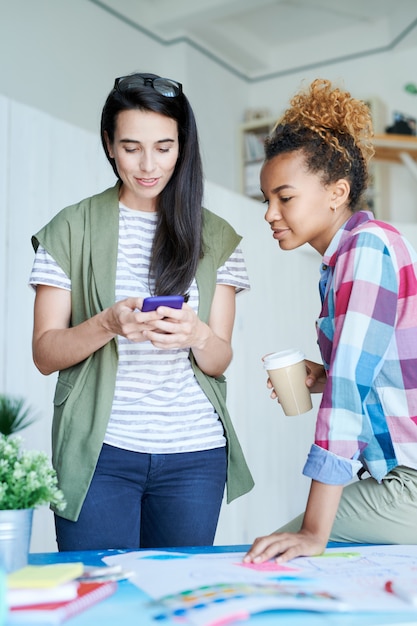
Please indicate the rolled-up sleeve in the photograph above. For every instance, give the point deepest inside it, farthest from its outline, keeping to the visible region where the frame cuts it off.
(328, 468)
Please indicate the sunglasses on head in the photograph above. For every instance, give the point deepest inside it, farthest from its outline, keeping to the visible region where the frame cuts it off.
(164, 86)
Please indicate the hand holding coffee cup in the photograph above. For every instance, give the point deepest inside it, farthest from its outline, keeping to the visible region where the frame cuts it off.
(287, 372)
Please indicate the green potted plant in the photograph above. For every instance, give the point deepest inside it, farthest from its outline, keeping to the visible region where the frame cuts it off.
(27, 480)
(14, 415)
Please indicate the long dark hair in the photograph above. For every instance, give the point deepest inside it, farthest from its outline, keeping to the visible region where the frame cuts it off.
(177, 244)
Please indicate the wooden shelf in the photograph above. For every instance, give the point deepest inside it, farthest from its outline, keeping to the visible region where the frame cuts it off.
(388, 148)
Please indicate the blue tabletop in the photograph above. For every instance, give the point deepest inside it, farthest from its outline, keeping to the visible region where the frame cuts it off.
(128, 606)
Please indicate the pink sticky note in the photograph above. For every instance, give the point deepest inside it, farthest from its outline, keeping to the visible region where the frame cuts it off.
(268, 566)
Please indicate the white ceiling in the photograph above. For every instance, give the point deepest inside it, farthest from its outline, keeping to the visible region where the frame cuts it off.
(256, 39)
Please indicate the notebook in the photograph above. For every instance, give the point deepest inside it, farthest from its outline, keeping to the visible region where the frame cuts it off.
(28, 596)
(88, 594)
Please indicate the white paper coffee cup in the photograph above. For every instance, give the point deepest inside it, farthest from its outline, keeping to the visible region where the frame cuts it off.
(288, 373)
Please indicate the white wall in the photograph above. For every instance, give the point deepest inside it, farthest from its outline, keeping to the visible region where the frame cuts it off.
(62, 57)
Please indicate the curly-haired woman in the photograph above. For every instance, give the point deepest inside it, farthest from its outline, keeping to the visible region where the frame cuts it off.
(313, 179)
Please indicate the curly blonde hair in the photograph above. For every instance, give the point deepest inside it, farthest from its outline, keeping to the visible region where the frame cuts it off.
(333, 130)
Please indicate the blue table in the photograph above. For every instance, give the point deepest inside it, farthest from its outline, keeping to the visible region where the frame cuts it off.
(127, 607)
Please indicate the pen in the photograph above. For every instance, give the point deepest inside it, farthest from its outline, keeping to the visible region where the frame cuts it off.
(401, 592)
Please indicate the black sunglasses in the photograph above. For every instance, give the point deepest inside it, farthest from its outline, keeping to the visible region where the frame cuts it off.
(165, 86)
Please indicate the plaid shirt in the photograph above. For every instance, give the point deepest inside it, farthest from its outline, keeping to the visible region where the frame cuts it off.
(367, 334)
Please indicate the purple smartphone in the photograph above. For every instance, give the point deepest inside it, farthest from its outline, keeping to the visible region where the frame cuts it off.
(153, 302)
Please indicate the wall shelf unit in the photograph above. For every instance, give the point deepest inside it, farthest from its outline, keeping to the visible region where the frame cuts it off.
(397, 149)
(251, 143)
(389, 149)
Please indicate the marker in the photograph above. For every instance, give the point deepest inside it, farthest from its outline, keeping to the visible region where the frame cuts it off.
(401, 592)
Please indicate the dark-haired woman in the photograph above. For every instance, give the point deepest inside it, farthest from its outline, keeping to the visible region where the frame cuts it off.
(313, 177)
(142, 440)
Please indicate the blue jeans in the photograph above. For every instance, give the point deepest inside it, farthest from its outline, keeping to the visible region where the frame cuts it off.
(138, 500)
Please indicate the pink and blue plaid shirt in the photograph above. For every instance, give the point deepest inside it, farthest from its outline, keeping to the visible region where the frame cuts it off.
(367, 334)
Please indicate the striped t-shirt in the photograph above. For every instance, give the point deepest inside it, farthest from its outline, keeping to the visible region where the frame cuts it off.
(158, 405)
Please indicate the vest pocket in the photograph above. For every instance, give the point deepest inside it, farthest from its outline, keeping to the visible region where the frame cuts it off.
(62, 391)
(59, 430)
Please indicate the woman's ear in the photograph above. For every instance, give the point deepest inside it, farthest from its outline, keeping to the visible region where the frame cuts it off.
(108, 144)
(340, 192)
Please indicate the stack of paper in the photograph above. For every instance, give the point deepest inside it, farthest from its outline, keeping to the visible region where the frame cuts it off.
(218, 588)
(52, 593)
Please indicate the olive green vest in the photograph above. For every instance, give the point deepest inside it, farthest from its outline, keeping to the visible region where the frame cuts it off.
(83, 240)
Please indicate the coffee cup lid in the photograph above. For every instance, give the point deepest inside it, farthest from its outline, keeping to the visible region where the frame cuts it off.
(283, 359)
